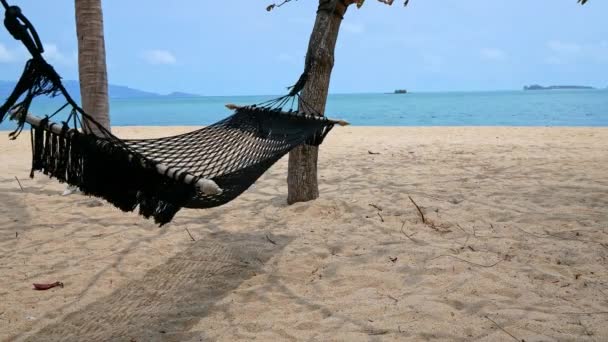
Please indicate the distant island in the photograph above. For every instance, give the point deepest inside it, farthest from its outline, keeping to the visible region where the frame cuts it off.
(114, 91)
(553, 87)
(400, 91)
(179, 94)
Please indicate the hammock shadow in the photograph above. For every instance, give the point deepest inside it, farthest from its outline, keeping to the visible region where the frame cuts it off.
(169, 299)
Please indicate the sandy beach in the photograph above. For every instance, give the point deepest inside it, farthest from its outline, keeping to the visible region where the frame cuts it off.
(514, 247)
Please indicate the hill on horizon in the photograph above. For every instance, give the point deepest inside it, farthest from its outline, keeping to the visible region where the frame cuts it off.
(114, 91)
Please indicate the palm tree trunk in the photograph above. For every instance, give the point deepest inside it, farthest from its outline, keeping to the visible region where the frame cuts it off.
(92, 61)
(302, 184)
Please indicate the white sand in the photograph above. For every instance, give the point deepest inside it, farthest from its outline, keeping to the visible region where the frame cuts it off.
(518, 234)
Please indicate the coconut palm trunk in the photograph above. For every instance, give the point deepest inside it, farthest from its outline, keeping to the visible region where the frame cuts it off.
(91, 67)
(92, 62)
(302, 184)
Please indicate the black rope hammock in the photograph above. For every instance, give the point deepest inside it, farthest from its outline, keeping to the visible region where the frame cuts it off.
(200, 169)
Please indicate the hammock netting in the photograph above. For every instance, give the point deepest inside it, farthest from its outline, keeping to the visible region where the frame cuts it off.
(232, 153)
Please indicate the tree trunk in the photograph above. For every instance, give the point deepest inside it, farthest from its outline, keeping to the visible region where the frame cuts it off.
(92, 62)
(302, 182)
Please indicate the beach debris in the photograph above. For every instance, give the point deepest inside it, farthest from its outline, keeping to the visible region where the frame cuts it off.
(419, 210)
(376, 332)
(191, 237)
(70, 189)
(393, 298)
(18, 182)
(269, 240)
(375, 206)
(503, 329)
(42, 287)
(370, 152)
(408, 236)
(467, 261)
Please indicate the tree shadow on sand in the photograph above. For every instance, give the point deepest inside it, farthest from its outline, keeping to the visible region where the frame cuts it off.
(169, 299)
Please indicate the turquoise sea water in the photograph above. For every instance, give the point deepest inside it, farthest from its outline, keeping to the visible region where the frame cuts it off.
(499, 108)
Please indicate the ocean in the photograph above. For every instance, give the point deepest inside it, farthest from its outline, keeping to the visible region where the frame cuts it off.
(497, 108)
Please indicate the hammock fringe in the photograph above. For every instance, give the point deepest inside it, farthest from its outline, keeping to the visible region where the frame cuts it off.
(105, 170)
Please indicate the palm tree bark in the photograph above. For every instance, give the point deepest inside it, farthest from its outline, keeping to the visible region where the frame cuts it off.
(92, 62)
(302, 184)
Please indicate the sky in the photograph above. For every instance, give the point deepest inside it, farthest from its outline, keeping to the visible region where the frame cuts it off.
(236, 47)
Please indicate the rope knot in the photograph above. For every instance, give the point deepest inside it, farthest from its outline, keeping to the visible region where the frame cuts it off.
(21, 29)
(12, 24)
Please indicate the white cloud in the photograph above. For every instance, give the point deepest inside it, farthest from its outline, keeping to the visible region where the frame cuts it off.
(51, 53)
(6, 56)
(492, 54)
(54, 55)
(157, 57)
(353, 27)
(567, 52)
(563, 47)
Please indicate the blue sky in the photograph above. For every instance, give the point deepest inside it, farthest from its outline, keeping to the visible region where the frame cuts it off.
(237, 48)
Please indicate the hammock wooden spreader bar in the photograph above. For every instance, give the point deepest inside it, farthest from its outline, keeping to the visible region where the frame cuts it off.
(307, 116)
(205, 186)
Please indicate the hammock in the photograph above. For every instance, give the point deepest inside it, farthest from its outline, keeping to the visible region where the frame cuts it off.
(200, 169)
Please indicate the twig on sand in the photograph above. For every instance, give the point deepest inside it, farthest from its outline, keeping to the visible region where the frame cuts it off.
(269, 240)
(464, 231)
(503, 329)
(191, 237)
(553, 236)
(469, 262)
(18, 182)
(407, 236)
(374, 332)
(418, 208)
(377, 207)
